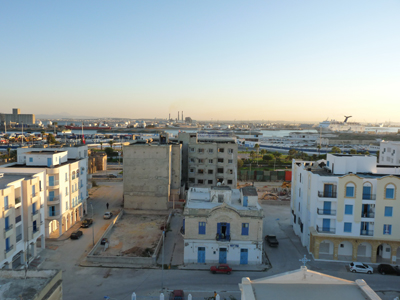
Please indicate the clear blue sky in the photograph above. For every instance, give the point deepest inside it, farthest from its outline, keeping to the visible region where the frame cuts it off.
(287, 60)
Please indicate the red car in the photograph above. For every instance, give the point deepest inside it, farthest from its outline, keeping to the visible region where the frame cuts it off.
(222, 268)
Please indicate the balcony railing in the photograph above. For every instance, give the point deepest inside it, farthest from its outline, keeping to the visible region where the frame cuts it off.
(326, 229)
(327, 194)
(17, 200)
(18, 237)
(35, 212)
(369, 196)
(54, 198)
(53, 213)
(8, 228)
(35, 230)
(223, 238)
(327, 212)
(52, 183)
(9, 249)
(367, 232)
(18, 219)
(368, 215)
(7, 207)
(35, 194)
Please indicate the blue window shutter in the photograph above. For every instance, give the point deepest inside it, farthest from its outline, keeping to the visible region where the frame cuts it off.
(390, 229)
(228, 229)
(219, 228)
(388, 211)
(183, 224)
(7, 222)
(7, 243)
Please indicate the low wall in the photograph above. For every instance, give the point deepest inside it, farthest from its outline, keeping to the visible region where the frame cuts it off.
(160, 242)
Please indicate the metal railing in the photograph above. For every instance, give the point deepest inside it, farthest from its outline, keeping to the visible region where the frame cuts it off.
(8, 206)
(369, 196)
(327, 194)
(18, 219)
(35, 230)
(367, 215)
(367, 232)
(54, 213)
(223, 238)
(35, 212)
(17, 200)
(18, 237)
(8, 228)
(9, 249)
(327, 212)
(54, 198)
(326, 229)
(54, 183)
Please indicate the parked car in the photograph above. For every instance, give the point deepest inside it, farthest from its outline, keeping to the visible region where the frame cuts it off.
(108, 215)
(104, 241)
(271, 240)
(176, 295)
(388, 269)
(86, 223)
(222, 268)
(360, 268)
(76, 235)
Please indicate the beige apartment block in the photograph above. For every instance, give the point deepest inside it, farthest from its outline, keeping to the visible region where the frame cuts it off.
(152, 175)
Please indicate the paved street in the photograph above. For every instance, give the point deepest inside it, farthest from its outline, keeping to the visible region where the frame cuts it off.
(119, 283)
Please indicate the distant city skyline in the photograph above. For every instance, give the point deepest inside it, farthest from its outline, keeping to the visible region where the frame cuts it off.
(265, 60)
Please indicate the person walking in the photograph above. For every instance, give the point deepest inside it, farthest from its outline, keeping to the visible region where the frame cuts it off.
(107, 205)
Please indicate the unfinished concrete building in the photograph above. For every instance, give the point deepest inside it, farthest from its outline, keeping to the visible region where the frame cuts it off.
(208, 160)
(152, 175)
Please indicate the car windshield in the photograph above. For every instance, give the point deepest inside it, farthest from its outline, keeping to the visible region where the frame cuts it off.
(365, 265)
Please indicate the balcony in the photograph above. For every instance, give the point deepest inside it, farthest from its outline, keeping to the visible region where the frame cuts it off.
(8, 249)
(18, 219)
(34, 213)
(35, 230)
(326, 212)
(19, 238)
(8, 228)
(327, 194)
(54, 214)
(53, 199)
(367, 232)
(36, 194)
(53, 185)
(326, 230)
(7, 207)
(223, 238)
(369, 196)
(369, 215)
(17, 200)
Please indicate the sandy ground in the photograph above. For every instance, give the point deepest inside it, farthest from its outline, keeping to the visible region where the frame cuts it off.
(274, 190)
(135, 235)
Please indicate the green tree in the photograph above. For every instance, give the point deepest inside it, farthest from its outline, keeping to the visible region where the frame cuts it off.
(366, 152)
(293, 152)
(268, 157)
(111, 143)
(263, 151)
(353, 151)
(51, 139)
(252, 154)
(109, 151)
(277, 154)
(336, 150)
(239, 164)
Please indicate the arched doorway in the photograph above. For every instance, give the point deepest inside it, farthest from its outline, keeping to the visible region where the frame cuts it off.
(54, 228)
(345, 251)
(364, 252)
(326, 250)
(383, 253)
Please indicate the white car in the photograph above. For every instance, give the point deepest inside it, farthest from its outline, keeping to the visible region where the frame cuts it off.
(361, 268)
(108, 215)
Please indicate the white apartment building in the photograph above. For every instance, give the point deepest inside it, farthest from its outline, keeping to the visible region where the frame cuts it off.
(347, 208)
(222, 225)
(22, 219)
(64, 183)
(389, 153)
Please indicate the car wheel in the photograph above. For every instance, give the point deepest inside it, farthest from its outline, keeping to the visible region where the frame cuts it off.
(213, 272)
(353, 271)
(369, 272)
(229, 273)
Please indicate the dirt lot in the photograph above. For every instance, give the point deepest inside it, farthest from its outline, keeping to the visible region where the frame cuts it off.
(277, 191)
(135, 236)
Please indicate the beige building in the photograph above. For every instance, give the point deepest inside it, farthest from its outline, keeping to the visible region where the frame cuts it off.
(222, 225)
(32, 285)
(208, 160)
(152, 175)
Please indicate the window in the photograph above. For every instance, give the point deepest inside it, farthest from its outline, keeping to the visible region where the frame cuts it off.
(348, 209)
(327, 163)
(210, 161)
(77, 173)
(299, 206)
(191, 170)
(347, 227)
(210, 150)
(210, 181)
(202, 227)
(8, 246)
(66, 191)
(388, 211)
(33, 190)
(30, 159)
(387, 229)
(76, 186)
(221, 150)
(220, 198)
(220, 160)
(349, 191)
(230, 171)
(72, 189)
(6, 202)
(191, 180)
(66, 205)
(200, 181)
(389, 193)
(191, 149)
(201, 161)
(210, 171)
(230, 181)
(230, 151)
(200, 171)
(230, 161)
(245, 228)
(300, 177)
(201, 150)
(66, 176)
(191, 160)
(220, 170)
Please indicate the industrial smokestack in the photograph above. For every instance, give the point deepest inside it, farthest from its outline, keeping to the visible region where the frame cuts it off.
(169, 118)
(182, 115)
(178, 115)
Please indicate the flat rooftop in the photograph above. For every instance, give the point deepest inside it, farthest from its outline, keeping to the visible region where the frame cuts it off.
(69, 161)
(45, 152)
(8, 178)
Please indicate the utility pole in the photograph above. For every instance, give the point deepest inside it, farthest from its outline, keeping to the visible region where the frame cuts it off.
(92, 224)
(162, 267)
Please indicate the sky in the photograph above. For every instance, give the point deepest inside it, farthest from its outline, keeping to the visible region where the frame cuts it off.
(221, 60)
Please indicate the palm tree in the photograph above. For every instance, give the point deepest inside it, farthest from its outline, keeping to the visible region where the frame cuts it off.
(111, 143)
(101, 145)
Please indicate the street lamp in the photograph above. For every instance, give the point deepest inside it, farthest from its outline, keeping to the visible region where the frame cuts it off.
(92, 224)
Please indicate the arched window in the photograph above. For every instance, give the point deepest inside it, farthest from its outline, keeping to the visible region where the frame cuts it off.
(367, 191)
(73, 174)
(77, 173)
(389, 191)
(350, 190)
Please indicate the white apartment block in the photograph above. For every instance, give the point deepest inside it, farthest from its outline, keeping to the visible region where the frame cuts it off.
(347, 208)
(389, 153)
(64, 184)
(222, 225)
(22, 219)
